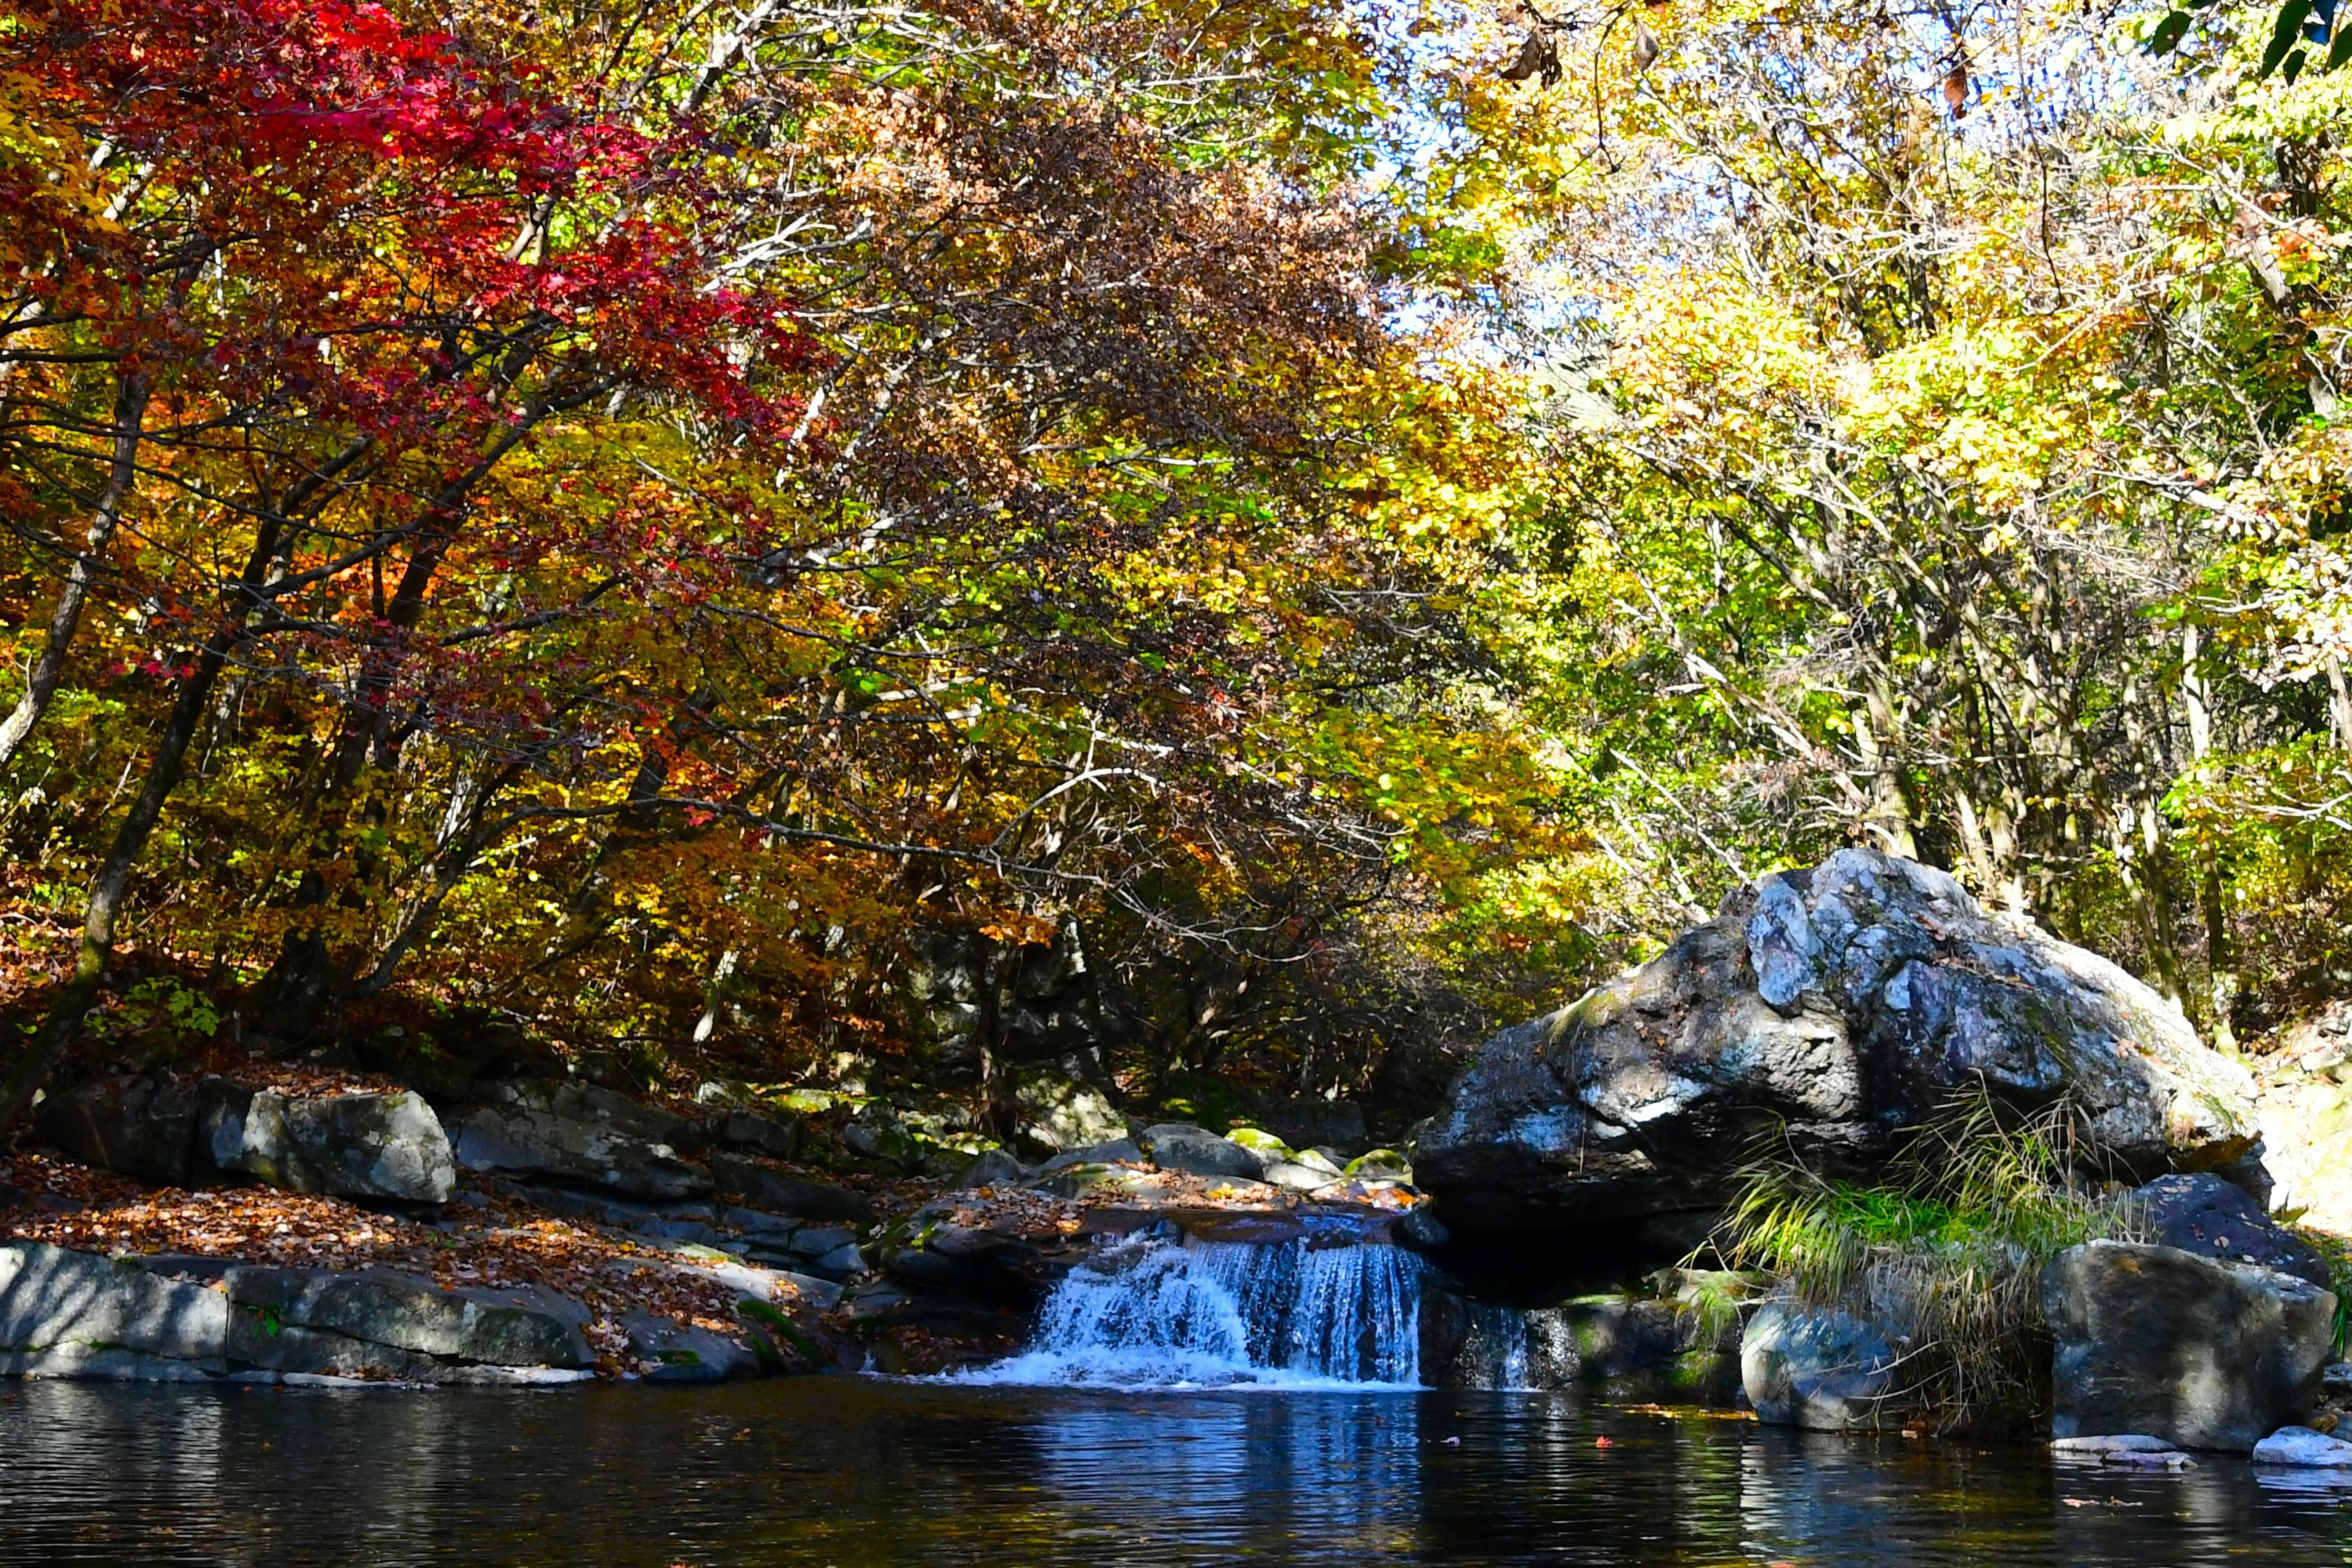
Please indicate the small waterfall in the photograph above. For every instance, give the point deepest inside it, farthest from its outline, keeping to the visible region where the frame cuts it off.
(1159, 1310)
(1493, 1352)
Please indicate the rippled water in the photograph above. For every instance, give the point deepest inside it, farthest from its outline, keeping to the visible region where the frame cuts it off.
(858, 1471)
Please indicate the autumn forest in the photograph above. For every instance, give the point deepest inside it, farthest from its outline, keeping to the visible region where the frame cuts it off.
(634, 527)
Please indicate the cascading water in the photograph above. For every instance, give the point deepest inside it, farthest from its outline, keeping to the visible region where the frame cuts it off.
(1157, 1309)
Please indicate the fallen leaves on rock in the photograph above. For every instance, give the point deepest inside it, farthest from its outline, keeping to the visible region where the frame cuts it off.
(488, 1239)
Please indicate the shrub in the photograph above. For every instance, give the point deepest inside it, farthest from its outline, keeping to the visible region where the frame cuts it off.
(1944, 1252)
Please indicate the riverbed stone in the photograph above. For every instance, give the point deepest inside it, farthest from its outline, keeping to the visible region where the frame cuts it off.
(2302, 1447)
(519, 1325)
(581, 1135)
(76, 1303)
(2203, 1354)
(1180, 1146)
(369, 1146)
(1820, 1368)
(1835, 1006)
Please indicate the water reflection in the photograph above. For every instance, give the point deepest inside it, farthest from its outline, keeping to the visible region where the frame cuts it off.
(855, 1472)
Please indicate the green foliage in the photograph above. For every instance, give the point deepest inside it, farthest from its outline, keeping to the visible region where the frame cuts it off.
(1945, 1254)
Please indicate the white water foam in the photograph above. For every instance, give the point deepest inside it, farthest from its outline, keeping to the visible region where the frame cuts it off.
(1159, 1312)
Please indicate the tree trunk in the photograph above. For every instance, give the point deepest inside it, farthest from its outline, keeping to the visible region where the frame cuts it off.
(65, 618)
(2221, 973)
(41, 1055)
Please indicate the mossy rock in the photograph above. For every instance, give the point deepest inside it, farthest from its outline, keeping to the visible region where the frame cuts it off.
(1381, 1165)
(1259, 1142)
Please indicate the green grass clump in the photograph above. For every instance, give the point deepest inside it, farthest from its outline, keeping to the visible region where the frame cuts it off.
(1944, 1252)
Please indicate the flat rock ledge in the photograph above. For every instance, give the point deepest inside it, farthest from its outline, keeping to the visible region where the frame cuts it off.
(165, 1319)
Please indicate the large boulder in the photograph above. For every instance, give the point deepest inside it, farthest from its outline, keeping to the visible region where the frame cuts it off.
(1842, 1005)
(2203, 1354)
(388, 1146)
(1820, 1368)
(581, 1135)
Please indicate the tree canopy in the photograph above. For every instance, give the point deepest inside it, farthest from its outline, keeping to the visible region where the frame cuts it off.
(623, 522)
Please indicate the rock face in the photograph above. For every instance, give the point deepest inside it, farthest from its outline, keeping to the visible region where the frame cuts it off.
(348, 1145)
(1845, 1002)
(2202, 1354)
(2206, 1215)
(1818, 1368)
(974, 1000)
(178, 1132)
(581, 1135)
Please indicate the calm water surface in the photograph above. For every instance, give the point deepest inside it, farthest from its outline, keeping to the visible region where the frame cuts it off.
(855, 1472)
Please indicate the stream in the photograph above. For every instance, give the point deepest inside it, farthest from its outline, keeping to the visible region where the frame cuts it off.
(1181, 1403)
(852, 1473)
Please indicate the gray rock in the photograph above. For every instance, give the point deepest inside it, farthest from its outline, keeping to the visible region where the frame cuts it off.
(52, 1299)
(760, 1225)
(1076, 1179)
(681, 1352)
(255, 1342)
(1117, 1151)
(773, 1189)
(2211, 1218)
(2202, 1354)
(1840, 1005)
(1298, 1178)
(779, 1286)
(2113, 1443)
(348, 1145)
(1058, 1112)
(994, 1168)
(105, 1364)
(580, 1134)
(487, 1376)
(761, 1134)
(509, 1326)
(2336, 1378)
(1180, 1146)
(143, 1127)
(2303, 1447)
(1819, 1368)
